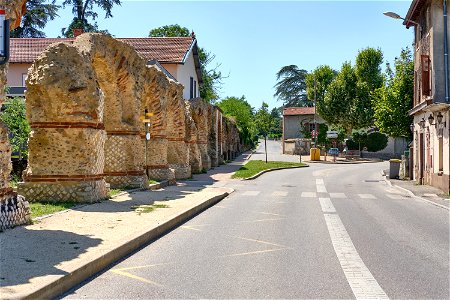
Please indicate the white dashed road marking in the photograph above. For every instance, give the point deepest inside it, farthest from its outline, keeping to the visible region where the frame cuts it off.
(327, 206)
(394, 196)
(367, 196)
(251, 193)
(337, 195)
(308, 195)
(361, 281)
(320, 186)
(279, 194)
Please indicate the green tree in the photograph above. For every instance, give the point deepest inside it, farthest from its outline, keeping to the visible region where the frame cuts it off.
(240, 110)
(211, 76)
(291, 86)
(14, 117)
(264, 122)
(36, 17)
(170, 31)
(393, 100)
(277, 130)
(84, 10)
(368, 67)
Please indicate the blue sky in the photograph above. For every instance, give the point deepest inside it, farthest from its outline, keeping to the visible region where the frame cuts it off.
(252, 40)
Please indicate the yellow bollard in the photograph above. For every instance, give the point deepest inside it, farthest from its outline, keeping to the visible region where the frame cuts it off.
(314, 154)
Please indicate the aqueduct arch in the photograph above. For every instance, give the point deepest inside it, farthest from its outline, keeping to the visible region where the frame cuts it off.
(86, 103)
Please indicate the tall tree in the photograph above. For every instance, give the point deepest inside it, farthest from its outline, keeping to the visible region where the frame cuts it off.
(83, 11)
(264, 122)
(14, 117)
(323, 76)
(393, 100)
(240, 110)
(291, 86)
(211, 76)
(36, 17)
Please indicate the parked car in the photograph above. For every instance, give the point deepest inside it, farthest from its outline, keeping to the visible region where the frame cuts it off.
(333, 151)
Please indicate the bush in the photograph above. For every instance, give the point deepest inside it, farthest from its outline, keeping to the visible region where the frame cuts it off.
(376, 141)
(352, 145)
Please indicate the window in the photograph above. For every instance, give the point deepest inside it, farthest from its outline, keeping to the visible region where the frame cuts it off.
(24, 78)
(195, 89)
(426, 89)
(191, 87)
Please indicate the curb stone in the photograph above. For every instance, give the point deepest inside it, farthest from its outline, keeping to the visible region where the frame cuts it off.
(65, 283)
(412, 194)
(270, 170)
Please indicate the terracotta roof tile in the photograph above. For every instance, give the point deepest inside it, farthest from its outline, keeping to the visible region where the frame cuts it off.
(164, 50)
(294, 111)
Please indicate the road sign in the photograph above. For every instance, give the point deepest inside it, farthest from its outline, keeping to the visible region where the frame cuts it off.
(331, 134)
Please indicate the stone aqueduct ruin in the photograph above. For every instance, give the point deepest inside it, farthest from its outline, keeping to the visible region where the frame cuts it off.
(85, 104)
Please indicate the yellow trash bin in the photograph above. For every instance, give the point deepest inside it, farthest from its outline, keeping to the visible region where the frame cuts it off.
(314, 154)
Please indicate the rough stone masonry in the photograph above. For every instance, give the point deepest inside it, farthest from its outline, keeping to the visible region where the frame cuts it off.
(86, 102)
(14, 210)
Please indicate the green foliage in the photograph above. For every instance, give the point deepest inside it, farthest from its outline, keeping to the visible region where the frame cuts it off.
(253, 167)
(36, 17)
(393, 100)
(174, 30)
(323, 75)
(322, 136)
(264, 121)
(241, 111)
(352, 145)
(291, 86)
(84, 10)
(376, 141)
(368, 67)
(47, 208)
(14, 117)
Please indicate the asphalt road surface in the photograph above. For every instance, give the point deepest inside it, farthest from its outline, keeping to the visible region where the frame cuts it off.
(326, 231)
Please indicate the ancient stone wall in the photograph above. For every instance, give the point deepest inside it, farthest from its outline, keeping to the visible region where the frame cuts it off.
(14, 210)
(91, 104)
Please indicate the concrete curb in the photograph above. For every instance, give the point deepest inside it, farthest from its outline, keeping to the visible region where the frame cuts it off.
(274, 169)
(63, 284)
(412, 194)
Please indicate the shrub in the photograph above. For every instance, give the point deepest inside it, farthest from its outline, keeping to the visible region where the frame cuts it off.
(376, 141)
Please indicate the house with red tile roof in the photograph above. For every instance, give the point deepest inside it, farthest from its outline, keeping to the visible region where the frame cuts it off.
(293, 119)
(177, 56)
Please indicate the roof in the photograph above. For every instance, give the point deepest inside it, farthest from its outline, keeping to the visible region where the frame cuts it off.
(413, 12)
(294, 111)
(162, 49)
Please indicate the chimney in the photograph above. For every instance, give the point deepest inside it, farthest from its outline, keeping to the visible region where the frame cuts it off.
(77, 31)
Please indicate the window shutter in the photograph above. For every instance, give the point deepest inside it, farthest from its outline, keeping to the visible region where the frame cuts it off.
(191, 87)
(426, 89)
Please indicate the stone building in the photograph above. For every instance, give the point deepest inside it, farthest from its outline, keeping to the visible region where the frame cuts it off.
(431, 103)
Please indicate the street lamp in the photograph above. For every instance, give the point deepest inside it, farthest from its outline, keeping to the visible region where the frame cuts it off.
(396, 16)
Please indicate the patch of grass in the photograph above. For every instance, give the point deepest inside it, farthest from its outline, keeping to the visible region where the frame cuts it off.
(114, 192)
(151, 181)
(46, 208)
(253, 167)
(143, 209)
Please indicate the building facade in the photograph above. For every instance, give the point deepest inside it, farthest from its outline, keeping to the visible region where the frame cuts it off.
(431, 103)
(177, 57)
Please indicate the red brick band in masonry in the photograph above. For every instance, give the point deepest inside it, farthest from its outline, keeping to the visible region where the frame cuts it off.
(67, 125)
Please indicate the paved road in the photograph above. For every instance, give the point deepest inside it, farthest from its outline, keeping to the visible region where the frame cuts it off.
(327, 231)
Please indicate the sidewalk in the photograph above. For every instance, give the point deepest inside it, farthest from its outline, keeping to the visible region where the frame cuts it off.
(49, 257)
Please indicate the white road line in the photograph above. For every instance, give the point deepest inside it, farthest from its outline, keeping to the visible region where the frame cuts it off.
(395, 196)
(361, 281)
(337, 195)
(251, 193)
(308, 195)
(320, 185)
(327, 206)
(279, 194)
(367, 196)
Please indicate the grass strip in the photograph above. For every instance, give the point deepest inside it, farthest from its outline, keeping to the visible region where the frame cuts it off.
(253, 167)
(46, 208)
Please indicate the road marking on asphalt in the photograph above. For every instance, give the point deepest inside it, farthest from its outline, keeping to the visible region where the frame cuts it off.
(271, 214)
(308, 195)
(141, 267)
(279, 194)
(190, 228)
(261, 220)
(320, 185)
(337, 195)
(367, 196)
(327, 206)
(361, 281)
(395, 196)
(254, 252)
(251, 193)
(259, 241)
(220, 206)
(126, 274)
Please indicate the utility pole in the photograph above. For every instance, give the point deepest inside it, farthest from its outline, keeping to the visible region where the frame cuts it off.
(315, 124)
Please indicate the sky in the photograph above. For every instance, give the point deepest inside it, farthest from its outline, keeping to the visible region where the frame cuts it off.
(253, 40)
